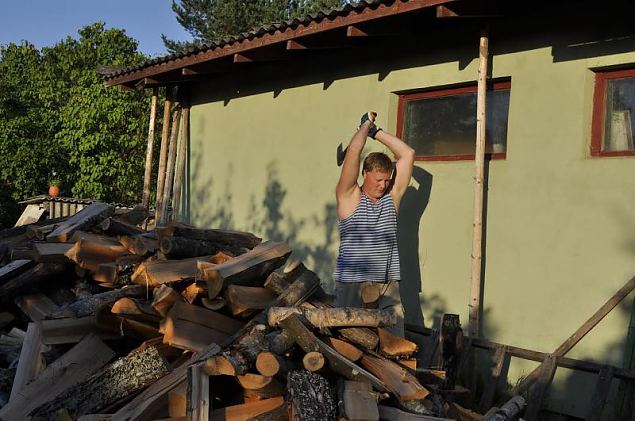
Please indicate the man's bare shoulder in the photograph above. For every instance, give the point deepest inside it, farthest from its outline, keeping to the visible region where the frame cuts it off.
(347, 202)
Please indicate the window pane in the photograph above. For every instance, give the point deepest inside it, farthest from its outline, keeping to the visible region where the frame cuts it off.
(620, 105)
(446, 125)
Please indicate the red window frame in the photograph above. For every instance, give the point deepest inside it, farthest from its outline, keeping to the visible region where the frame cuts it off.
(599, 111)
(438, 93)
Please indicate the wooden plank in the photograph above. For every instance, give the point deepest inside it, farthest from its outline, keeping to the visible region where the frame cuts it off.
(71, 330)
(601, 393)
(539, 390)
(36, 306)
(51, 252)
(32, 213)
(74, 366)
(487, 398)
(14, 268)
(199, 404)
(358, 403)
(86, 218)
(30, 363)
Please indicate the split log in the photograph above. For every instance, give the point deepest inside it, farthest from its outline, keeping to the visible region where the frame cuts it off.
(157, 272)
(244, 301)
(125, 376)
(30, 278)
(114, 226)
(361, 336)
(89, 251)
(140, 245)
(192, 292)
(89, 306)
(246, 410)
(389, 413)
(40, 232)
(269, 364)
(51, 252)
(108, 273)
(346, 349)
(357, 401)
(182, 247)
(279, 341)
(335, 317)
(250, 269)
(164, 299)
(213, 304)
(278, 282)
(74, 366)
(397, 379)
(131, 308)
(83, 219)
(190, 336)
(31, 363)
(36, 306)
(308, 342)
(234, 238)
(257, 387)
(72, 330)
(311, 398)
(134, 216)
(125, 327)
(145, 404)
(313, 361)
(14, 268)
(204, 317)
(371, 294)
(394, 346)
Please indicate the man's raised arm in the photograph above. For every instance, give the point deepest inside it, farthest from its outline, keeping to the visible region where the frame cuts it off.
(350, 168)
(405, 156)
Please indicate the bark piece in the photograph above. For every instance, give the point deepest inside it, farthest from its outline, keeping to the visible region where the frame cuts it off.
(334, 317)
(125, 376)
(51, 252)
(243, 300)
(71, 368)
(36, 306)
(83, 219)
(250, 269)
(394, 346)
(310, 396)
(313, 361)
(357, 402)
(246, 410)
(397, 379)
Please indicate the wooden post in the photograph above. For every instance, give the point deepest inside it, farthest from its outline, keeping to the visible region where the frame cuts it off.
(180, 167)
(479, 160)
(167, 105)
(169, 172)
(149, 152)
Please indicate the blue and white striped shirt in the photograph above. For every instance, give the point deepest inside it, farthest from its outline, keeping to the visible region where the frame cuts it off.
(368, 243)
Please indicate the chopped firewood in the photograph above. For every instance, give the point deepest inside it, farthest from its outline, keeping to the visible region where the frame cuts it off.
(108, 273)
(371, 293)
(279, 341)
(311, 398)
(214, 304)
(177, 401)
(181, 247)
(36, 306)
(278, 282)
(30, 278)
(243, 300)
(394, 346)
(74, 366)
(397, 379)
(257, 387)
(339, 364)
(246, 410)
(92, 250)
(361, 336)
(134, 216)
(204, 317)
(280, 413)
(429, 376)
(409, 364)
(357, 402)
(190, 336)
(334, 317)
(313, 361)
(126, 326)
(389, 413)
(114, 226)
(191, 292)
(157, 272)
(270, 364)
(40, 232)
(83, 219)
(31, 363)
(346, 349)
(234, 238)
(164, 299)
(120, 379)
(14, 268)
(135, 309)
(51, 252)
(89, 306)
(219, 365)
(249, 269)
(72, 330)
(140, 245)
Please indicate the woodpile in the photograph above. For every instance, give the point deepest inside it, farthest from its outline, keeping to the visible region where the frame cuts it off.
(103, 320)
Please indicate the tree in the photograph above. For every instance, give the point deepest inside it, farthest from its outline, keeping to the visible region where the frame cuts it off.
(213, 20)
(56, 116)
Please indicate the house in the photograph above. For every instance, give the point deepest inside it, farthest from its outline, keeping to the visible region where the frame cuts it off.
(269, 108)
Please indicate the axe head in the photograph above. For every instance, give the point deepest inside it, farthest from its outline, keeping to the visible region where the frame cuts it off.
(341, 153)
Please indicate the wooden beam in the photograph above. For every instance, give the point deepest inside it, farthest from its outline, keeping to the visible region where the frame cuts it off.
(199, 404)
(539, 391)
(31, 363)
(179, 176)
(163, 154)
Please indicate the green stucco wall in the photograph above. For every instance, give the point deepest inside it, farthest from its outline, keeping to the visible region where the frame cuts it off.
(560, 224)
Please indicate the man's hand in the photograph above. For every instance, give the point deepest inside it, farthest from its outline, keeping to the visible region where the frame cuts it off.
(372, 129)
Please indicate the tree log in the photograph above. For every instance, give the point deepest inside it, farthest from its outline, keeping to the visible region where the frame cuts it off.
(157, 272)
(246, 410)
(278, 282)
(311, 397)
(134, 216)
(259, 387)
(244, 301)
(91, 251)
(89, 306)
(83, 219)
(397, 379)
(394, 346)
(135, 309)
(164, 299)
(122, 378)
(334, 317)
(313, 361)
(346, 349)
(183, 247)
(114, 226)
(279, 341)
(30, 278)
(270, 364)
(233, 238)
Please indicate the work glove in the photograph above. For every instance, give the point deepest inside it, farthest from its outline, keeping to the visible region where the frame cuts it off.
(370, 116)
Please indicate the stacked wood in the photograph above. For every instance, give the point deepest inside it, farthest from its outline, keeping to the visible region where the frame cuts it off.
(87, 217)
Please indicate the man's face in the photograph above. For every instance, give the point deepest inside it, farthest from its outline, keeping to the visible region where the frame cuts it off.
(375, 183)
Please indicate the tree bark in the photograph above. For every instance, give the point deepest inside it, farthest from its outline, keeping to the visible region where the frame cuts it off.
(114, 226)
(334, 317)
(183, 247)
(311, 397)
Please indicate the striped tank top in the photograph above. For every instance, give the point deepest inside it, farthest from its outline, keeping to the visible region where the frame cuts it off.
(368, 243)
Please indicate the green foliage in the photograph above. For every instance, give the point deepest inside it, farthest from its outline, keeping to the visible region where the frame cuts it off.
(57, 120)
(212, 20)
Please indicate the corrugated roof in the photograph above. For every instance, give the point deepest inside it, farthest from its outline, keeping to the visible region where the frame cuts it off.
(259, 32)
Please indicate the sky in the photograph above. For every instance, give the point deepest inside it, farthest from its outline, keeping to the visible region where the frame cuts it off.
(45, 22)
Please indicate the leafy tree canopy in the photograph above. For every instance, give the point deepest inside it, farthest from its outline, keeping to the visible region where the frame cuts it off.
(212, 20)
(57, 120)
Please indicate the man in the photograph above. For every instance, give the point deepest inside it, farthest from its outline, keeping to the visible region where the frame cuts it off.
(368, 254)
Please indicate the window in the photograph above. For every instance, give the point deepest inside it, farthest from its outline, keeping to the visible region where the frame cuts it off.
(613, 112)
(441, 124)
